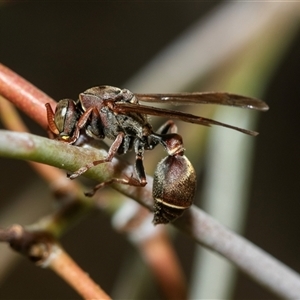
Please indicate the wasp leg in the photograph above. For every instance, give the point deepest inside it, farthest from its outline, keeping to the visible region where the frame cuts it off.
(139, 166)
(128, 180)
(80, 124)
(110, 155)
(139, 170)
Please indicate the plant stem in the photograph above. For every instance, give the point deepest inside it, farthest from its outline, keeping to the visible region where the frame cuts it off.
(255, 262)
(63, 265)
(24, 95)
(41, 248)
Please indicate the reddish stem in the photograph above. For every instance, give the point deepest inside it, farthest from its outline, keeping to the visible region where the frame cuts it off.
(161, 258)
(66, 268)
(24, 95)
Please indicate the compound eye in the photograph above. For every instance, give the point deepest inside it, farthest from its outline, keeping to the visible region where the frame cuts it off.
(65, 116)
(60, 114)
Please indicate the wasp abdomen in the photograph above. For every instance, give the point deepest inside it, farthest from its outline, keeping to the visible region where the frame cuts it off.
(174, 186)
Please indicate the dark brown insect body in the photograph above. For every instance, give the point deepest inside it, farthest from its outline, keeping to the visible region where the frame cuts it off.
(174, 186)
(110, 112)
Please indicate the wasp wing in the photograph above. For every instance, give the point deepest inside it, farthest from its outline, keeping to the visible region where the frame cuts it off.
(122, 108)
(205, 98)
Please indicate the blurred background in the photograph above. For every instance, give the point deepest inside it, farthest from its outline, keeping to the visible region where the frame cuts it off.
(64, 48)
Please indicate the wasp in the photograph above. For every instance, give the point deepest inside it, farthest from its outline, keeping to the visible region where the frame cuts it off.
(106, 111)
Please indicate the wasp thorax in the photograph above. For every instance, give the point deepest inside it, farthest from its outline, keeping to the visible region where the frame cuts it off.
(103, 91)
(174, 188)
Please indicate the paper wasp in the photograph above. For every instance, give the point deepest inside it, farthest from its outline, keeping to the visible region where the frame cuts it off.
(106, 111)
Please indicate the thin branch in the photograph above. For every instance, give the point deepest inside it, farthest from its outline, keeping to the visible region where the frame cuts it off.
(41, 248)
(159, 254)
(26, 146)
(255, 262)
(63, 265)
(24, 95)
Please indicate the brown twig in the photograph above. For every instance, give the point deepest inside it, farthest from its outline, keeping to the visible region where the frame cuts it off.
(63, 265)
(159, 254)
(24, 95)
(255, 262)
(41, 248)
